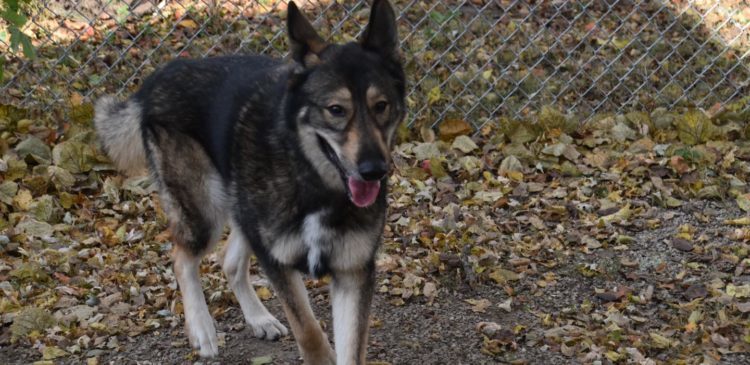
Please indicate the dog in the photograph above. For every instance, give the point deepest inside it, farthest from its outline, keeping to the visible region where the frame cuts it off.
(294, 155)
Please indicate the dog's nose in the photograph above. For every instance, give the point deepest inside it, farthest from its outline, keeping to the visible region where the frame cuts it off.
(372, 170)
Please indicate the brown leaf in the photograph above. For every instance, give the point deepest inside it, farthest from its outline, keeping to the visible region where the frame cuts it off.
(488, 328)
(720, 340)
(608, 296)
(695, 291)
(502, 276)
(678, 164)
(452, 128)
(682, 244)
(188, 23)
(743, 307)
(611, 296)
(479, 305)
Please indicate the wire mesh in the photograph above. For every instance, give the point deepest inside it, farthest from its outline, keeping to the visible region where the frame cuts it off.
(476, 60)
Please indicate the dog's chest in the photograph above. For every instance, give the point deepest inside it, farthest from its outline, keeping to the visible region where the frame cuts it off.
(319, 248)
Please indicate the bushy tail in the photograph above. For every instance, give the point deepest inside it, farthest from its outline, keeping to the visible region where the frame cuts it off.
(118, 125)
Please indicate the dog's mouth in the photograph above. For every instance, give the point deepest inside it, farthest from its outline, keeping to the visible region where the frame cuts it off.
(362, 193)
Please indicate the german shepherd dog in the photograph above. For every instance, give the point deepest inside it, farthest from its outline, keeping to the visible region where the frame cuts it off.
(293, 155)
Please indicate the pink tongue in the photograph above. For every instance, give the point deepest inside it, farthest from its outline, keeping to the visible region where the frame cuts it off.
(364, 193)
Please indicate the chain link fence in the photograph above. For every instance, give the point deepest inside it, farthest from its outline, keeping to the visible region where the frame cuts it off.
(475, 60)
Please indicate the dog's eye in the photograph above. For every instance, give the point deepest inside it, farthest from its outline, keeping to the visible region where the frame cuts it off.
(336, 110)
(380, 107)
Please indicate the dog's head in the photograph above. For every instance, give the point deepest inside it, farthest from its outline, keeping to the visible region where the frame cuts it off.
(348, 100)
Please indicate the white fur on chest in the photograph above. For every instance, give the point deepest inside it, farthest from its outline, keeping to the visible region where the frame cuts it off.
(317, 238)
(345, 250)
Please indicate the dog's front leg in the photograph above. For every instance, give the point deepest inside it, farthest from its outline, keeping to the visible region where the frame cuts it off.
(311, 340)
(351, 295)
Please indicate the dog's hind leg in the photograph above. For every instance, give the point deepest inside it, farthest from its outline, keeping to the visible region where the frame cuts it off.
(236, 265)
(198, 321)
(188, 191)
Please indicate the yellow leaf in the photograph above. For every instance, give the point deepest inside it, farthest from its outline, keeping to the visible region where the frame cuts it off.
(743, 201)
(502, 276)
(514, 175)
(23, 200)
(742, 291)
(188, 23)
(744, 221)
(52, 352)
(98, 326)
(511, 26)
(436, 168)
(621, 215)
(673, 202)
(263, 293)
(694, 128)
(660, 341)
(620, 43)
(76, 99)
(695, 316)
(613, 356)
(433, 96)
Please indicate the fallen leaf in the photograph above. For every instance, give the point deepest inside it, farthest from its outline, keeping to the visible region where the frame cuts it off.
(452, 128)
(694, 127)
(696, 291)
(76, 157)
(261, 360)
(188, 23)
(743, 201)
(478, 305)
(502, 276)
(263, 293)
(29, 320)
(506, 304)
(743, 307)
(744, 221)
(720, 340)
(433, 96)
(660, 341)
(53, 352)
(488, 329)
(464, 144)
(741, 291)
(430, 290)
(35, 148)
(682, 244)
(678, 164)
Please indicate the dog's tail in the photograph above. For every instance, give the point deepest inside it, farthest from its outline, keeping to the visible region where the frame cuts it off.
(118, 125)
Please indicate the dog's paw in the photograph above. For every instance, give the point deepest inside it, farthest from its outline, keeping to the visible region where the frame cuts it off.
(202, 334)
(267, 327)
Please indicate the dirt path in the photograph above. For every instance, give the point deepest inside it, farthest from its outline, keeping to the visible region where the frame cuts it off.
(440, 334)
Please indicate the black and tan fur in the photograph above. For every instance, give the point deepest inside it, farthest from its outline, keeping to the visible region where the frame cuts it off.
(292, 155)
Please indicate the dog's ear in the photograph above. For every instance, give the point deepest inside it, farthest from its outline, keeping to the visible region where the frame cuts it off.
(381, 34)
(306, 44)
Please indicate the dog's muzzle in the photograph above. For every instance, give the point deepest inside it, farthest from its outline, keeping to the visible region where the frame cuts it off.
(362, 193)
